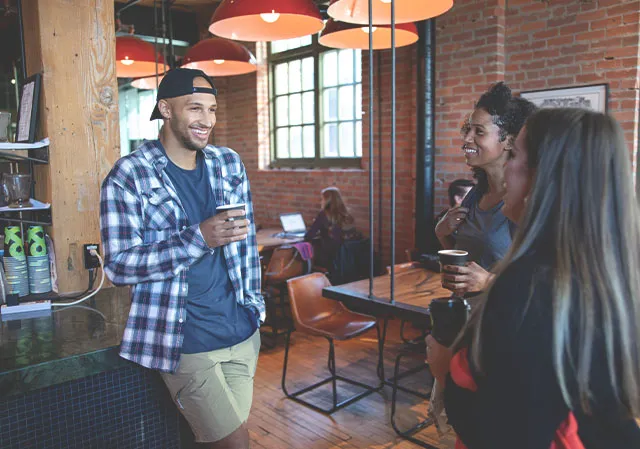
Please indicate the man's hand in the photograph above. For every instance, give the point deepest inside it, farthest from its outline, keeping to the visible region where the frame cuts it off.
(465, 279)
(224, 228)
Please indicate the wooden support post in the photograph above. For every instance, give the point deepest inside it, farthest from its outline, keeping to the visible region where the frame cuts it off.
(72, 42)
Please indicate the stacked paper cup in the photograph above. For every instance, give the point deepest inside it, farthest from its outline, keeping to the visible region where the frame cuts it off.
(15, 262)
(38, 261)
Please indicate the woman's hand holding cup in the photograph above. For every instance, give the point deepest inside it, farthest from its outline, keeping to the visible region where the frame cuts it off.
(449, 258)
(467, 278)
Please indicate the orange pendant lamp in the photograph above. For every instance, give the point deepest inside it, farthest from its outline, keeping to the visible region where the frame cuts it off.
(217, 56)
(357, 11)
(147, 83)
(265, 20)
(348, 35)
(135, 58)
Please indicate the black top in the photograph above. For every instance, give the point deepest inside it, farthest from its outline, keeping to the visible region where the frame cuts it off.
(330, 237)
(518, 402)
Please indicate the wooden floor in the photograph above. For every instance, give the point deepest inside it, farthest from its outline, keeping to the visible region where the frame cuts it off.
(279, 423)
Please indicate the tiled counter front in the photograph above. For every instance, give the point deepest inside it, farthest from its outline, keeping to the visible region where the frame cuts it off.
(63, 385)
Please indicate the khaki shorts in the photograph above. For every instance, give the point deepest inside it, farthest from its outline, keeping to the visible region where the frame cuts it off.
(213, 390)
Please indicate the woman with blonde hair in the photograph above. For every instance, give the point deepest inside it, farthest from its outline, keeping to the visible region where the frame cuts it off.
(550, 357)
(332, 226)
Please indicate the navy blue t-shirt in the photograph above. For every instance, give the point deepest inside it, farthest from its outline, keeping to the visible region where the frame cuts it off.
(214, 319)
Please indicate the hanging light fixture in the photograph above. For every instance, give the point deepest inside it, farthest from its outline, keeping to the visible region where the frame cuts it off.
(217, 56)
(265, 20)
(135, 58)
(147, 83)
(349, 35)
(357, 11)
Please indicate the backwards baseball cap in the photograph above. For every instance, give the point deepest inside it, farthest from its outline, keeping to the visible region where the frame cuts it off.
(179, 82)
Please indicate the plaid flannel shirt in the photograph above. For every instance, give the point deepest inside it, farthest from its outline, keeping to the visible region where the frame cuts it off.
(149, 245)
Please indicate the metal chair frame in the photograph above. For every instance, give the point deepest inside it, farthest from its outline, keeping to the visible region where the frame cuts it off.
(333, 378)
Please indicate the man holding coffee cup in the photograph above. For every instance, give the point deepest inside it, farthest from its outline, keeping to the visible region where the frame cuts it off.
(177, 224)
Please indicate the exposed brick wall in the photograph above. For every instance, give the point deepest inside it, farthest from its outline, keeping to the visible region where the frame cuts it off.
(286, 190)
(470, 57)
(573, 43)
(530, 44)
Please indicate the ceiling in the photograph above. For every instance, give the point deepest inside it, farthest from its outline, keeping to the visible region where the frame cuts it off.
(177, 2)
(198, 3)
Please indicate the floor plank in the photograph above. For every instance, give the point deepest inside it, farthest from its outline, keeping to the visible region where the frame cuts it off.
(279, 423)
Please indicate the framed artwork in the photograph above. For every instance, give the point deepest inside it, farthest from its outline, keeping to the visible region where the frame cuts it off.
(594, 97)
(27, 121)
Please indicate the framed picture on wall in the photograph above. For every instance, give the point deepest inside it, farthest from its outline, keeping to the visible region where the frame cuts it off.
(27, 121)
(594, 97)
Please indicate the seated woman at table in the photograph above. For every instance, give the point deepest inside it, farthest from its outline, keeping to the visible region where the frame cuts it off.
(550, 356)
(332, 226)
(478, 224)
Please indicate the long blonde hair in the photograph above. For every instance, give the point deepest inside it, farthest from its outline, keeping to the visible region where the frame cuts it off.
(583, 199)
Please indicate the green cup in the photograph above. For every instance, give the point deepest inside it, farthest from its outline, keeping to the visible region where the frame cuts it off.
(36, 244)
(13, 246)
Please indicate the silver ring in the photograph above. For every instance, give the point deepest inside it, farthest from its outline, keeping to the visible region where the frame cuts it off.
(231, 219)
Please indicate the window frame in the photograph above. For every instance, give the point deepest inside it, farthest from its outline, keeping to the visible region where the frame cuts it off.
(313, 50)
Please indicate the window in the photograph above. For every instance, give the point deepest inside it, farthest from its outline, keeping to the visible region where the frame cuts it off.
(316, 104)
(135, 107)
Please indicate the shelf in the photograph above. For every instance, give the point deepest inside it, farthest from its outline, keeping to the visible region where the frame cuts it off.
(36, 217)
(37, 152)
(36, 205)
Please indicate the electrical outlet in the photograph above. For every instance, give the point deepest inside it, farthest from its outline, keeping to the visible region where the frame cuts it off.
(91, 261)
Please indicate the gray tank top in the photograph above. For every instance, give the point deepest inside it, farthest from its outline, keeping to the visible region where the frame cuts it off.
(485, 234)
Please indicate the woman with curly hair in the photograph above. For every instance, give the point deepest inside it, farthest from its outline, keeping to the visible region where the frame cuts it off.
(478, 226)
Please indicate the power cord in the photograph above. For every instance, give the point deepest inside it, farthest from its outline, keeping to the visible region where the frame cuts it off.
(92, 280)
(90, 295)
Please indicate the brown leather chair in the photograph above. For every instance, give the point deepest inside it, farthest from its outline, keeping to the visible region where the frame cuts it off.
(412, 254)
(315, 315)
(285, 263)
(401, 267)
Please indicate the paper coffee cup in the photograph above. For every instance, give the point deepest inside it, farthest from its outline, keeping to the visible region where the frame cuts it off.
(227, 207)
(453, 257)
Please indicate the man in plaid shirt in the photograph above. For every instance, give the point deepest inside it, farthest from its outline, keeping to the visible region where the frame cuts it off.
(195, 273)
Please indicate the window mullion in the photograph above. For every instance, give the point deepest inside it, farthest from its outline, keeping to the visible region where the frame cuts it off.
(318, 93)
(355, 105)
(272, 109)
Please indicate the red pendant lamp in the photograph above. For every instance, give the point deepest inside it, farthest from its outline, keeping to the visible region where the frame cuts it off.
(135, 58)
(147, 83)
(348, 35)
(265, 20)
(217, 56)
(357, 11)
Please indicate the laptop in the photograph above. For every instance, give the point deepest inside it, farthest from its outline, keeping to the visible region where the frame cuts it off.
(293, 225)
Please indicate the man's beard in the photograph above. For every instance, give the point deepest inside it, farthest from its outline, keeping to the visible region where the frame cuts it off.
(190, 145)
(186, 140)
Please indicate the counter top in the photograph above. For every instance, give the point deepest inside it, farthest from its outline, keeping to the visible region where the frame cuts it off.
(66, 344)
